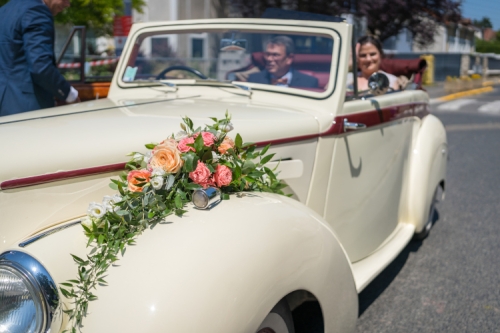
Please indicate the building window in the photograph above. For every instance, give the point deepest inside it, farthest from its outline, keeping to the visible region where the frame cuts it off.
(197, 48)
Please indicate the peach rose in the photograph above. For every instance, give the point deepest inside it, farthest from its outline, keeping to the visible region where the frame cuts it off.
(223, 175)
(208, 138)
(226, 144)
(133, 181)
(166, 156)
(183, 147)
(201, 175)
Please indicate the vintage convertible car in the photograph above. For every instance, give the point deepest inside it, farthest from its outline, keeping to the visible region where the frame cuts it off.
(362, 170)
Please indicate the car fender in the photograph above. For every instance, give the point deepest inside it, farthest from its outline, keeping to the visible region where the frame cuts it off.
(218, 270)
(428, 169)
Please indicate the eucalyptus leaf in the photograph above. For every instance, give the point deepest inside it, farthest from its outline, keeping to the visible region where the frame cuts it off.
(192, 186)
(266, 159)
(178, 201)
(190, 161)
(264, 150)
(170, 182)
(248, 167)
(199, 144)
(238, 141)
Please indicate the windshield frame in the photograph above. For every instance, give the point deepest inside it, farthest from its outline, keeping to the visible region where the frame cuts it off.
(270, 26)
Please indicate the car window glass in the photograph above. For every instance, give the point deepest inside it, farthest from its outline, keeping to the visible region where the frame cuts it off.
(300, 60)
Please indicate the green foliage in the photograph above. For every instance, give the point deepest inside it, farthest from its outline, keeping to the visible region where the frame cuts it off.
(95, 14)
(484, 23)
(483, 46)
(119, 220)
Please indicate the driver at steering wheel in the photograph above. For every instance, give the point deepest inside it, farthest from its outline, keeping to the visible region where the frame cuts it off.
(279, 71)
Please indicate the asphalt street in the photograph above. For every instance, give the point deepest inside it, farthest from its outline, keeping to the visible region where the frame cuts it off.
(450, 282)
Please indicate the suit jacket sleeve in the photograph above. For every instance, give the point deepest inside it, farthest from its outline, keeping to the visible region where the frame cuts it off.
(38, 38)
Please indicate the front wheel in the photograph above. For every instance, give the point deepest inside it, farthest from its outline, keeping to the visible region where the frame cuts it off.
(279, 320)
(430, 220)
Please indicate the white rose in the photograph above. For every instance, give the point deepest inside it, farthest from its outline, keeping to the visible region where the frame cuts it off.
(116, 198)
(158, 172)
(180, 135)
(96, 210)
(107, 203)
(227, 127)
(86, 221)
(148, 156)
(138, 157)
(157, 182)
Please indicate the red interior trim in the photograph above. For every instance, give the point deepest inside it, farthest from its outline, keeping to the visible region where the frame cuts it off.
(369, 118)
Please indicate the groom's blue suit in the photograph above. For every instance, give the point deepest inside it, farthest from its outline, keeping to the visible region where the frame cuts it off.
(29, 79)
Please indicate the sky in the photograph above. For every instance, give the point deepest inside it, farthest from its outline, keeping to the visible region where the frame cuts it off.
(476, 9)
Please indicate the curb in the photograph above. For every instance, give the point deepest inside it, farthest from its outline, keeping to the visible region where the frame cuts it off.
(461, 94)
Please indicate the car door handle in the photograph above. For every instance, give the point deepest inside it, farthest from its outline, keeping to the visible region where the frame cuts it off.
(352, 126)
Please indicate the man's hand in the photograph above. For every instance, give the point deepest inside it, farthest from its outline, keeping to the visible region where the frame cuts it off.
(77, 100)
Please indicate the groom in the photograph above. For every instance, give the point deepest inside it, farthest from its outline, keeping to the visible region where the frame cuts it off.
(279, 59)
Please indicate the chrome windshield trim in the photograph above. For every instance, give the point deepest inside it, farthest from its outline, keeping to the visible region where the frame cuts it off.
(47, 233)
(39, 278)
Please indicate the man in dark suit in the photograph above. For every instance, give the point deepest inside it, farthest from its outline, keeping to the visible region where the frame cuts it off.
(29, 78)
(279, 59)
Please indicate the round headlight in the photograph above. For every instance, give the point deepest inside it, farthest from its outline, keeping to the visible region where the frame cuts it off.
(21, 309)
(28, 295)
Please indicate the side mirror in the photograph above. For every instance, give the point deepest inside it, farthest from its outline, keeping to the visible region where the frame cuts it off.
(378, 83)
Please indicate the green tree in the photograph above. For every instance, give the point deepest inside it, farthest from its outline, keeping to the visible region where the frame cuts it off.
(483, 46)
(386, 18)
(483, 23)
(95, 14)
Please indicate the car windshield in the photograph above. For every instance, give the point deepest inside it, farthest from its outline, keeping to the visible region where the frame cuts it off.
(297, 60)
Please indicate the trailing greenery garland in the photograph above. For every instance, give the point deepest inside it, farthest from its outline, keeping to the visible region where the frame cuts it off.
(159, 184)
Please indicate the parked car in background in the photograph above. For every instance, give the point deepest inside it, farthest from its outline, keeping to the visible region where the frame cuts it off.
(363, 174)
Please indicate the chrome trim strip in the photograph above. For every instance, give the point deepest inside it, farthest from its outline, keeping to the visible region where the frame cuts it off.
(47, 233)
(39, 278)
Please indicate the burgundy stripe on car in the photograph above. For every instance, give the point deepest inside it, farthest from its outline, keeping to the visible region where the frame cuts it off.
(62, 175)
(369, 118)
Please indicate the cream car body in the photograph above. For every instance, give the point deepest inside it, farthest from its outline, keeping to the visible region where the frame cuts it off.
(358, 196)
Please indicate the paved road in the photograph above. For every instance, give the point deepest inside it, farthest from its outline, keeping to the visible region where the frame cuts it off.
(450, 282)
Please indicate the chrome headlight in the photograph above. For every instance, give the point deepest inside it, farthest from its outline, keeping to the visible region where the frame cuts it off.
(28, 295)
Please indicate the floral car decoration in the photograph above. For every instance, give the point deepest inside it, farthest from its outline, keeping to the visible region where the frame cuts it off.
(160, 183)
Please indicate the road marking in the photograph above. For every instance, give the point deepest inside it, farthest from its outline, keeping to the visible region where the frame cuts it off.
(433, 101)
(455, 105)
(467, 93)
(472, 127)
(493, 107)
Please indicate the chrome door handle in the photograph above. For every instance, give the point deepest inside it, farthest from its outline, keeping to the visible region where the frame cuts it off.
(352, 126)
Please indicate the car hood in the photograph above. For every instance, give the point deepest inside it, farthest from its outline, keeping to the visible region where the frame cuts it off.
(102, 132)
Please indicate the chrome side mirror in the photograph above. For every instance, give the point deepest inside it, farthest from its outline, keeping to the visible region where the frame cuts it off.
(378, 83)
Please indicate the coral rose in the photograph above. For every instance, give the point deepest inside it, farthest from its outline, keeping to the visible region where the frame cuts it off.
(133, 181)
(167, 157)
(208, 138)
(226, 144)
(223, 175)
(201, 175)
(183, 147)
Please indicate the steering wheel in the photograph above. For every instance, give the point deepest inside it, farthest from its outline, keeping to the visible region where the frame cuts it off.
(182, 68)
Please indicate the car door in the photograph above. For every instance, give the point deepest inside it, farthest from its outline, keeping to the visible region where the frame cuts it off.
(367, 180)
